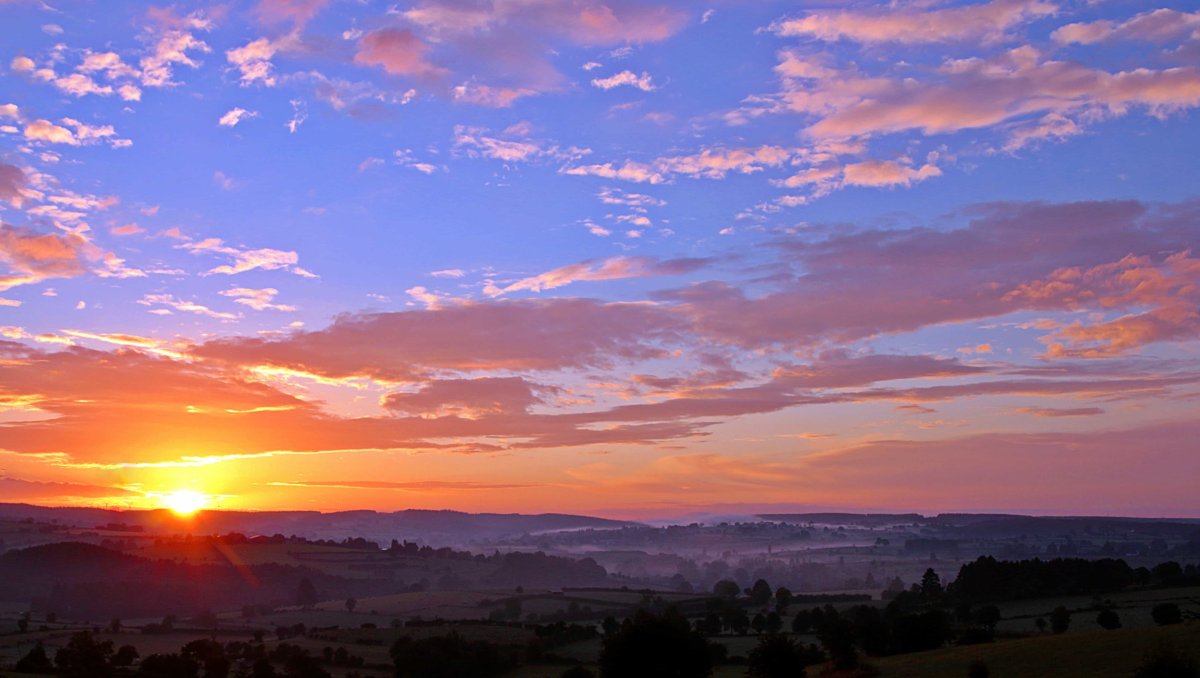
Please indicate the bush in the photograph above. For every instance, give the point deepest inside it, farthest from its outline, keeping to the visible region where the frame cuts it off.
(1060, 619)
(1108, 619)
(1166, 613)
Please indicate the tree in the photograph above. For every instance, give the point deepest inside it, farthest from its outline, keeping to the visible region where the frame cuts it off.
(351, 603)
(83, 657)
(1166, 613)
(783, 598)
(35, 661)
(988, 616)
(758, 623)
(450, 656)
(837, 637)
(306, 594)
(1108, 619)
(1040, 622)
(168, 666)
(774, 622)
(656, 646)
(610, 625)
(776, 657)
(802, 622)
(726, 588)
(125, 656)
(1060, 619)
(760, 593)
(931, 584)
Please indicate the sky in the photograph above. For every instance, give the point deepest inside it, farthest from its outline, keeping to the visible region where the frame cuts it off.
(625, 258)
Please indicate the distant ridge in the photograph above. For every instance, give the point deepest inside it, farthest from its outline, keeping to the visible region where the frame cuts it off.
(444, 526)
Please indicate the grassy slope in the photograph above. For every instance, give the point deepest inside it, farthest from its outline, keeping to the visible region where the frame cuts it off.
(1096, 654)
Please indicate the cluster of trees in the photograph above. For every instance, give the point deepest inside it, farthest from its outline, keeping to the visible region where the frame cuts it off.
(86, 657)
(988, 579)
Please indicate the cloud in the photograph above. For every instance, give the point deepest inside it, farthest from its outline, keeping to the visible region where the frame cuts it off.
(13, 181)
(1055, 412)
(245, 260)
(625, 79)
(184, 306)
(235, 115)
(709, 163)
(469, 398)
(296, 12)
(19, 489)
(1159, 25)
(398, 52)
(33, 257)
(886, 173)
(1010, 90)
(257, 299)
(551, 334)
(872, 282)
(987, 22)
(500, 51)
(476, 142)
(171, 46)
(613, 268)
(253, 61)
(80, 134)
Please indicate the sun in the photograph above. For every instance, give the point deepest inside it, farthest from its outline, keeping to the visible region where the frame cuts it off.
(184, 502)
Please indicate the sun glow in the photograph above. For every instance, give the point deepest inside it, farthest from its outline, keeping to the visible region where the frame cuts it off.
(184, 502)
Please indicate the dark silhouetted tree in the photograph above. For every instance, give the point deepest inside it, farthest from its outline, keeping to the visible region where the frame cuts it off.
(35, 661)
(168, 666)
(783, 598)
(1040, 623)
(125, 656)
(802, 622)
(656, 646)
(450, 656)
(760, 593)
(776, 656)
(726, 588)
(351, 603)
(758, 622)
(1060, 619)
(1108, 619)
(774, 622)
(610, 625)
(306, 594)
(837, 637)
(84, 657)
(931, 585)
(988, 616)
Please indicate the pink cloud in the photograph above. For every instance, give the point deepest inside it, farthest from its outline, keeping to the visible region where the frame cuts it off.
(613, 268)
(34, 257)
(397, 51)
(986, 22)
(1159, 25)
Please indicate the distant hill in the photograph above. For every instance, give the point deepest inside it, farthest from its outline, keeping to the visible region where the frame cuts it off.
(439, 527)
(998, 524)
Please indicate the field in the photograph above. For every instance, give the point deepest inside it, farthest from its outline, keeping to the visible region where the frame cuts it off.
(1096, 654)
